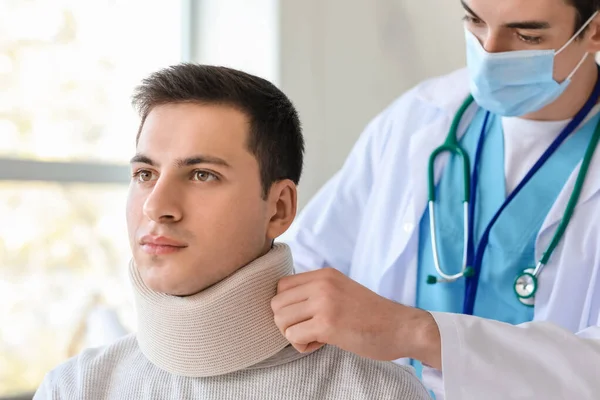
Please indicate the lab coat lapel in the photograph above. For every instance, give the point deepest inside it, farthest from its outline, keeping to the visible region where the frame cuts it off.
(421, 148)
(446, 95)
(422, 144)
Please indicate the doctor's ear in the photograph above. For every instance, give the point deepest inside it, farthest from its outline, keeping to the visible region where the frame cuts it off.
(282, 202)
(592, 35)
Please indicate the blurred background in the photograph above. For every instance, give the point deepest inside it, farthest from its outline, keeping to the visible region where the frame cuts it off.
(67, 131)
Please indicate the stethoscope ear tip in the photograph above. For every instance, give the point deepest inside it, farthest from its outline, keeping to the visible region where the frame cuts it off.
(432, 280)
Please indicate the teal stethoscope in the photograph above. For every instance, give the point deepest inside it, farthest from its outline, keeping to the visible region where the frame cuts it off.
(526, 284)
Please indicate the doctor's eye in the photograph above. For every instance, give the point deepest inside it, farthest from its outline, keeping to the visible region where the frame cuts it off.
(529, 39)
(469, 19)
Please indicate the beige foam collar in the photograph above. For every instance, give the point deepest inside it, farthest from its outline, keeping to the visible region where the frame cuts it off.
(225, 328)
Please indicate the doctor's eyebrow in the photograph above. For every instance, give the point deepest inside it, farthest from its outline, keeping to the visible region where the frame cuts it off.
(532, 25)
(468, 9)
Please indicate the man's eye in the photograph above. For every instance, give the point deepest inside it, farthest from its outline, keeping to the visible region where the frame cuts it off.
(529, 39)
(143, 175)
(204, 176)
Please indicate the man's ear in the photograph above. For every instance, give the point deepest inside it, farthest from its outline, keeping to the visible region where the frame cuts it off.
(282, 203)
(593, 35)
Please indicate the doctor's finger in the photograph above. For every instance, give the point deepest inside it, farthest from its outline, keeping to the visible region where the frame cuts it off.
(314, 346)
(295, 295)
(308, 348)
(290, 282)
(304, 333)
(292, 315)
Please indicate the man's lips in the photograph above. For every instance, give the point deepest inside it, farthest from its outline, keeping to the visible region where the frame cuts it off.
(159, 245)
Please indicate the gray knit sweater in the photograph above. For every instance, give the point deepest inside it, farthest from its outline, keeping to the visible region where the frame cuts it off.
(121, 371)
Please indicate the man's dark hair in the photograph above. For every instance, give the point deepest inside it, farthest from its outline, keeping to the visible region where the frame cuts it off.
(585, 9)
(275, 136)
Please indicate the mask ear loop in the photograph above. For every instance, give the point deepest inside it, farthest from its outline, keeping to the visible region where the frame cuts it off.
(575, 36)
(585, 56)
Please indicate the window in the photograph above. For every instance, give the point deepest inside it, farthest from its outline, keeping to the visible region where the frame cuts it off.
(67, 130)
(252, 46)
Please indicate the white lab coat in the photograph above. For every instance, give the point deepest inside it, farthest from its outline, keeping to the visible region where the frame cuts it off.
(365, 222)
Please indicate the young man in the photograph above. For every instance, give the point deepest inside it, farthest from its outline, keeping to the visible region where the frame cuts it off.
(495, 326)
(219, 155)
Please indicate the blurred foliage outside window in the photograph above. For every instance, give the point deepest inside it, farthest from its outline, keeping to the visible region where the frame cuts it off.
(67, 69)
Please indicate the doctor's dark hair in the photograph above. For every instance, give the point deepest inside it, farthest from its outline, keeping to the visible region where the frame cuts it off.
(275, 136)
(585, 9)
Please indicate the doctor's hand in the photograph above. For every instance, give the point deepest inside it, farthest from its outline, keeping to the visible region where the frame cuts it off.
(326, 307)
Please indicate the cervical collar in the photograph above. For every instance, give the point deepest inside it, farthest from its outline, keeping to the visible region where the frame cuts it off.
(225, 328)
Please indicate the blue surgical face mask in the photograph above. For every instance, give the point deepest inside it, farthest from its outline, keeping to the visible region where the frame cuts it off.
(515, 83)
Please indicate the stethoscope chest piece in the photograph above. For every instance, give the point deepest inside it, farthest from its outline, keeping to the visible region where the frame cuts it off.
(526, 286)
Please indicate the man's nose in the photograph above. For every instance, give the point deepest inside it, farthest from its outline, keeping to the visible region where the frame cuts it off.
(162, 205)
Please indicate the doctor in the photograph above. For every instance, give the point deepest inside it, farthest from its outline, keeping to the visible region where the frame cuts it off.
(495, 286)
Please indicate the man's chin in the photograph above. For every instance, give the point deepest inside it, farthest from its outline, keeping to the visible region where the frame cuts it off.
(161, 282)
(174, 289)
(182, 293)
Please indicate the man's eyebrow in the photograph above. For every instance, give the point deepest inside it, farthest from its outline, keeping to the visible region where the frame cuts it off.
(201, 159)
(183, 162)
(142, 159)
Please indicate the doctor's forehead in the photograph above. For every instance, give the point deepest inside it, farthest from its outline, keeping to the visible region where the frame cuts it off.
(508, 11)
